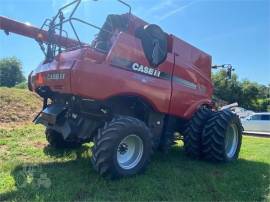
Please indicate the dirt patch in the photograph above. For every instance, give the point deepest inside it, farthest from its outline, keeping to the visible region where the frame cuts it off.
(40, 145)
(3, 148)
(4, 151)
(18, 106)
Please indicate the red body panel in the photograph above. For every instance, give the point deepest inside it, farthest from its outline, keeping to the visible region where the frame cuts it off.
(91, 74)
(195, 89)
(102, 81)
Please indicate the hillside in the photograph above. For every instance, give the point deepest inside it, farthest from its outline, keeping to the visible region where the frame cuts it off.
(18, 106)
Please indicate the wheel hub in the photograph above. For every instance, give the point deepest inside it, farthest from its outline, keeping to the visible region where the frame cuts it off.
(122, 149)
(129, 152)
(231, 140)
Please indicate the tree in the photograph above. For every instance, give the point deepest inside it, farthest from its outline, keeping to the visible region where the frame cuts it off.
(227, 89)
(264, 91)
(10, 72)
(250, 94)
(247, 94)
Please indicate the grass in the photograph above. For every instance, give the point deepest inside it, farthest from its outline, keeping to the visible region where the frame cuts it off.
(25, 159)
(30, 170)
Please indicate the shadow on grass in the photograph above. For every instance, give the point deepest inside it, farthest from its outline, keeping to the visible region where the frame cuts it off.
(169, 177)
(79, 153)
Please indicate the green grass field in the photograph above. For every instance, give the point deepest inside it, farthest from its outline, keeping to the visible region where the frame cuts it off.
(32, 171)
(25, 159)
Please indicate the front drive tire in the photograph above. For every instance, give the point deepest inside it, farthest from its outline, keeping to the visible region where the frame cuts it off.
(122, 148)
(222, 137)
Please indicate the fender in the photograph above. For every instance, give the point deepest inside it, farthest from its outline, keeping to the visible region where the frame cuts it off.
(193, 108)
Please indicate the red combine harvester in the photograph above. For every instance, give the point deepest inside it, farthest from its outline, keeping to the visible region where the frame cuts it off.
(129, 91)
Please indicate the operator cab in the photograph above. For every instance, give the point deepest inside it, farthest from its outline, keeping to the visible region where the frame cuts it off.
(113, 23)
(154, 40)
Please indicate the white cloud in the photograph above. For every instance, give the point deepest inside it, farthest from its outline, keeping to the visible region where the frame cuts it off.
(161, 5)
(175, 10)
(163, 9)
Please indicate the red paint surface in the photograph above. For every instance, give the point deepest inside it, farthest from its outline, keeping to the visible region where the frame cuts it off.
(89, 73)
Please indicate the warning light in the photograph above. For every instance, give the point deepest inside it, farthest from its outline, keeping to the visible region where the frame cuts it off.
(39, 79)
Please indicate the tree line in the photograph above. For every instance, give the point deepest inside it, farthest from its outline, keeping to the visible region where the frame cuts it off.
(11, 73)
(249, 95)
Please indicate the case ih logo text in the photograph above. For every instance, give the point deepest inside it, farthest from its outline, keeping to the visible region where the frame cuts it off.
(56, 76)
(146, 70)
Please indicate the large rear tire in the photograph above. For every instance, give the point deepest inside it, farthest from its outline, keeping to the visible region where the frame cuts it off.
(193, 132)
(57, 141)
(122, 148)
(222, 137)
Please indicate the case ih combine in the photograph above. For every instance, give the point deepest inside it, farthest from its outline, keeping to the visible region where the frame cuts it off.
(128, 92)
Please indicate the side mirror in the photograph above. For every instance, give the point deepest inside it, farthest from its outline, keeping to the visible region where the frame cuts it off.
(228, 68)
(229, 73)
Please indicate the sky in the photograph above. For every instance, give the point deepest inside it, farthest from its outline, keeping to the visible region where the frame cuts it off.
(233, 32)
